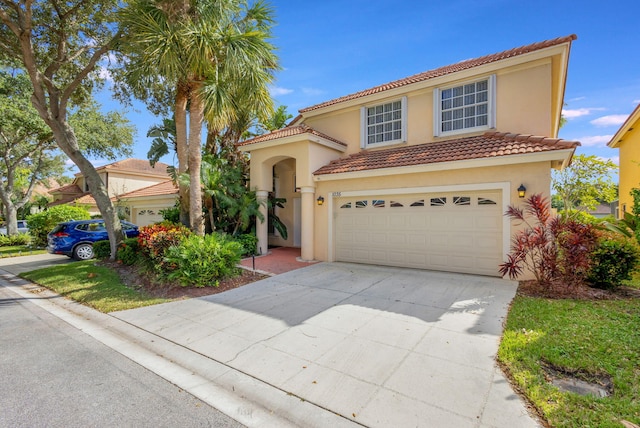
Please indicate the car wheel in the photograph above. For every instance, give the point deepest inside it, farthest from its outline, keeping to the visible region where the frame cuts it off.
(83, 252)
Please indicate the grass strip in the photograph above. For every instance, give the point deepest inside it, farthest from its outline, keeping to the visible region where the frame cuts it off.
(19, 250)
(96, 286)
(589, 338)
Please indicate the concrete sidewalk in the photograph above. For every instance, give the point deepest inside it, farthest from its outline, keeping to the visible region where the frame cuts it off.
(378, 346)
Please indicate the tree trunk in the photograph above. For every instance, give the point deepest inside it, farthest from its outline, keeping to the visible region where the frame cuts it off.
(196, 117)
(182, 149)
(67, 142)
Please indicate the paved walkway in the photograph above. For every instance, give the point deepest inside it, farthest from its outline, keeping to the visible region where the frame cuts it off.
(278, 260)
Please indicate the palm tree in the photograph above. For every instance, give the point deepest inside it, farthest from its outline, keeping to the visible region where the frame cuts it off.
(212, 53)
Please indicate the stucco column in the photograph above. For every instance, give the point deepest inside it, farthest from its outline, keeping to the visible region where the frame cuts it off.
(307, 207)
(262, 229)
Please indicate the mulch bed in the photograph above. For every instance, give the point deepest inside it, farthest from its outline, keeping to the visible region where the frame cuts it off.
(562, 291)
(138, 279)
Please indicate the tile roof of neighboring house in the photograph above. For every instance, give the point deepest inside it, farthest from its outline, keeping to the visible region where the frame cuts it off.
(160, 189)
(69, 188)
(442, 71)
(83, 199)
(288, 132)
(138, 165)
(488, 145)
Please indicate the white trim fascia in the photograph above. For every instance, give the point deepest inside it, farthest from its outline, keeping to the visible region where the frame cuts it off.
(556, 155)
(504, 187)
(470, 73)
(294, 139)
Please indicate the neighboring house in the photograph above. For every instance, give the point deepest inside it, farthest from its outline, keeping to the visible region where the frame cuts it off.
(419, 172)
(627, 140)
(121, 179)
(604, 210)
(143, 206)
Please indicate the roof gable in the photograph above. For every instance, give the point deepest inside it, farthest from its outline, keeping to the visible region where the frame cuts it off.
(442, 71)
(289, 131)
(627, 126)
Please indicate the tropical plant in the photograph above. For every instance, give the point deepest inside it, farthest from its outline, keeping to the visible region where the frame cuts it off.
(129, 252)
(556, 250)
(154, 240)
(210, 53)
(202, 261)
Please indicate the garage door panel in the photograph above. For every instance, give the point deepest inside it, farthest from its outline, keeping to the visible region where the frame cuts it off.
(460, 232)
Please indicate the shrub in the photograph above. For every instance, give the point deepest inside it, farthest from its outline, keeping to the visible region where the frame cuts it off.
(154, 240)
(555, 249)
(128, 251)
(171, 215)
(102, 249)
(40, 224)
(19, 239)
(248, 242)
(612, 262)
(203, 261)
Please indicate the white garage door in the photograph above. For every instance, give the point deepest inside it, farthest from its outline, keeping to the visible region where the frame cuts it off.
(146, 216)
(455, 232)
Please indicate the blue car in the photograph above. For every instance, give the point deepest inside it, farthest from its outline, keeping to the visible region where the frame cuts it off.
(75, 238)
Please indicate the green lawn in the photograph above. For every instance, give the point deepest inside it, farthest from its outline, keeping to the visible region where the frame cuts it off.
(19, 250)
(594, 337)
(95, 286)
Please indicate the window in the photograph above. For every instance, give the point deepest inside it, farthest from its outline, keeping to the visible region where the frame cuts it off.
(384, 124)
(465, 108)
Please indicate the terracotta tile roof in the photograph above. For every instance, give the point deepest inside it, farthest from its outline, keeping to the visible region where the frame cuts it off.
(288, 132)
(82, 199)
(138, 165)
(488, 145)
(160, 189)
(442, 71)
(69, 188)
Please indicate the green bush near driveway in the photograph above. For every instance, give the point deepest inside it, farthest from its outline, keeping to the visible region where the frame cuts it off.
(40, 224)
(15, 240)
(202, 261)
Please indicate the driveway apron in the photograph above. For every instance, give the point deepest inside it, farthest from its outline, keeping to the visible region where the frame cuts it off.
(381, 346)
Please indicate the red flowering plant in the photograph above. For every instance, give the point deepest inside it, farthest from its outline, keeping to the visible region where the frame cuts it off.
(154, 241)
(556, 250)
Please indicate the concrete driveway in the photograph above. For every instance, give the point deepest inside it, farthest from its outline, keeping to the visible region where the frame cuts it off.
(18, 265)
(380, 346)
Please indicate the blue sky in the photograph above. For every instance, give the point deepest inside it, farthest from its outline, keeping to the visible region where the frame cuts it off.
(336, 47)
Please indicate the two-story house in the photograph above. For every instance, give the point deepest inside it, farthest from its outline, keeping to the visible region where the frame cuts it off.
(627, 141)
(419, 172)
(139, 190)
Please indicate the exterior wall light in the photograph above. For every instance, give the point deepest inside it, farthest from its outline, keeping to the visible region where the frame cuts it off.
(320, 200)
(522, 191)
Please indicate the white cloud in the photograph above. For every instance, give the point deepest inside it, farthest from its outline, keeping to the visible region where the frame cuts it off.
(277, 91)
(610, 120)
(577, 99)
(573, 113)
(595, 140)
(312, 91)
(636, 101)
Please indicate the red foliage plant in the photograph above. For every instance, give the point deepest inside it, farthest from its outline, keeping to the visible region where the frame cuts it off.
(155, 239)
(555, 249)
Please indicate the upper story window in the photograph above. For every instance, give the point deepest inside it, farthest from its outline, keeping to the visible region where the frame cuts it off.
(384, 124)
(465, 108)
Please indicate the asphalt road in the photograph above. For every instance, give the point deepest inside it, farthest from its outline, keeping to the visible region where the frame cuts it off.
(53, 375)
